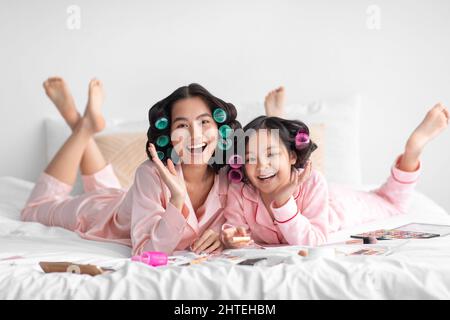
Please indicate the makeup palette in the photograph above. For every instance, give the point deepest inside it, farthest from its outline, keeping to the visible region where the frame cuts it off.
(384, 234)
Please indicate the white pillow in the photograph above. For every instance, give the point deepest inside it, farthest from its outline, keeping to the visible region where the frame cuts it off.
(341, 119)
(57, 131)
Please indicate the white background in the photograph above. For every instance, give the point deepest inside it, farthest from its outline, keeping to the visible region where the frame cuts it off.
(143, 50)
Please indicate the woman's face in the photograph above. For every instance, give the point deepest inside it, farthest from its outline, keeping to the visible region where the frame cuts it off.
(267, 161)
(194, 132)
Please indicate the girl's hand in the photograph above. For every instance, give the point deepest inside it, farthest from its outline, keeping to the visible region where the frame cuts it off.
(297, 178)
(209, 242)
(235, 238)
(173, 181)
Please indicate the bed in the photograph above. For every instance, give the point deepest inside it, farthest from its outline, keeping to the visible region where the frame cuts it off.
(418, 269)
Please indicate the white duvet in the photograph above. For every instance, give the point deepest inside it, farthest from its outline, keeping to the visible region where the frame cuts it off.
(418, 269)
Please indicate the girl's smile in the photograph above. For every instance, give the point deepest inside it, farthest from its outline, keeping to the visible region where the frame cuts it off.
(268, 162)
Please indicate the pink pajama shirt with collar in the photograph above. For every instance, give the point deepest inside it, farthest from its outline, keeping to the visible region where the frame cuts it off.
(317, 209)
(141, 217)
(157, 225)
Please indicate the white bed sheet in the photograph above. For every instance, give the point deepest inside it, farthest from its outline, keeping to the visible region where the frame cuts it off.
(419, 269)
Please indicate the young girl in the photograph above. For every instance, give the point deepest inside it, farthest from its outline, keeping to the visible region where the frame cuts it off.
(167, 208)
(279, 202)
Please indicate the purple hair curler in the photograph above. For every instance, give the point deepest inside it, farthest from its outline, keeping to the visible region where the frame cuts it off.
(235, 161)
(235, 175)
(301, 140)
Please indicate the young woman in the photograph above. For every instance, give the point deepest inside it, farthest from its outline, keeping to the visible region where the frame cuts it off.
(96, 213)
(173, 207)
(282, 201)
(180, 206)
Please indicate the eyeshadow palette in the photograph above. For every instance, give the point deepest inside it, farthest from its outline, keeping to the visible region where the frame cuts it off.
(409, 231)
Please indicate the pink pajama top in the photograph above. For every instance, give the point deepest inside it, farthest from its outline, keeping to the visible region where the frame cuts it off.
(157, 225)
(316, 209)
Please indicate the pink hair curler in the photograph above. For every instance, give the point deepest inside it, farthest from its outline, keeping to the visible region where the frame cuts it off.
(235, 161)
(152, 258)
(235, 175)
(301, 140)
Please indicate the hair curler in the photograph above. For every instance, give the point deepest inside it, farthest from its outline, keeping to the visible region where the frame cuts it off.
(160, 154)
(162, 141)
(152, 258)
(235, 161)
(225, 131)
(161, 123)
(235, 176)
(301, 140)
(220, 115)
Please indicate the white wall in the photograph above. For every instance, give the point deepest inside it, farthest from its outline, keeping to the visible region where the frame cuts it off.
(143, 50)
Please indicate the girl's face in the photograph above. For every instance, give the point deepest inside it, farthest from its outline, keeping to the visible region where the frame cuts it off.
(194, 132)
(268, 162)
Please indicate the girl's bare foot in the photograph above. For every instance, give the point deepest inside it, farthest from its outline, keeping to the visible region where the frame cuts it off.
(59, 93)
(433, 124)
(274, 102)
(93, 118)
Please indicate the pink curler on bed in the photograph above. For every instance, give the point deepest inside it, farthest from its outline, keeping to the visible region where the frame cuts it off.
(235, 175)
(235, 161)
(152, 258)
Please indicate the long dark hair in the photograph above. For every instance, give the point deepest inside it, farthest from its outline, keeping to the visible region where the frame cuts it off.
(163, 108)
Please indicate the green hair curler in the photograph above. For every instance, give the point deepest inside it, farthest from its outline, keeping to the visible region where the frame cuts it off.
(162, 141)
(225, 131)
(220, 115)
(160, 155)
(161, 123)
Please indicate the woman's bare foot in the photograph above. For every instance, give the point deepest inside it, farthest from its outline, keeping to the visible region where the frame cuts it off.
(93, 118)
(59, 93)
(274, 103)
(433, 124)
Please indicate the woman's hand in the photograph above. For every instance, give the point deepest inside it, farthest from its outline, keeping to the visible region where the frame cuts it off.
(297, 177)
(235, 238)
(173, 181)
(209, 242)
